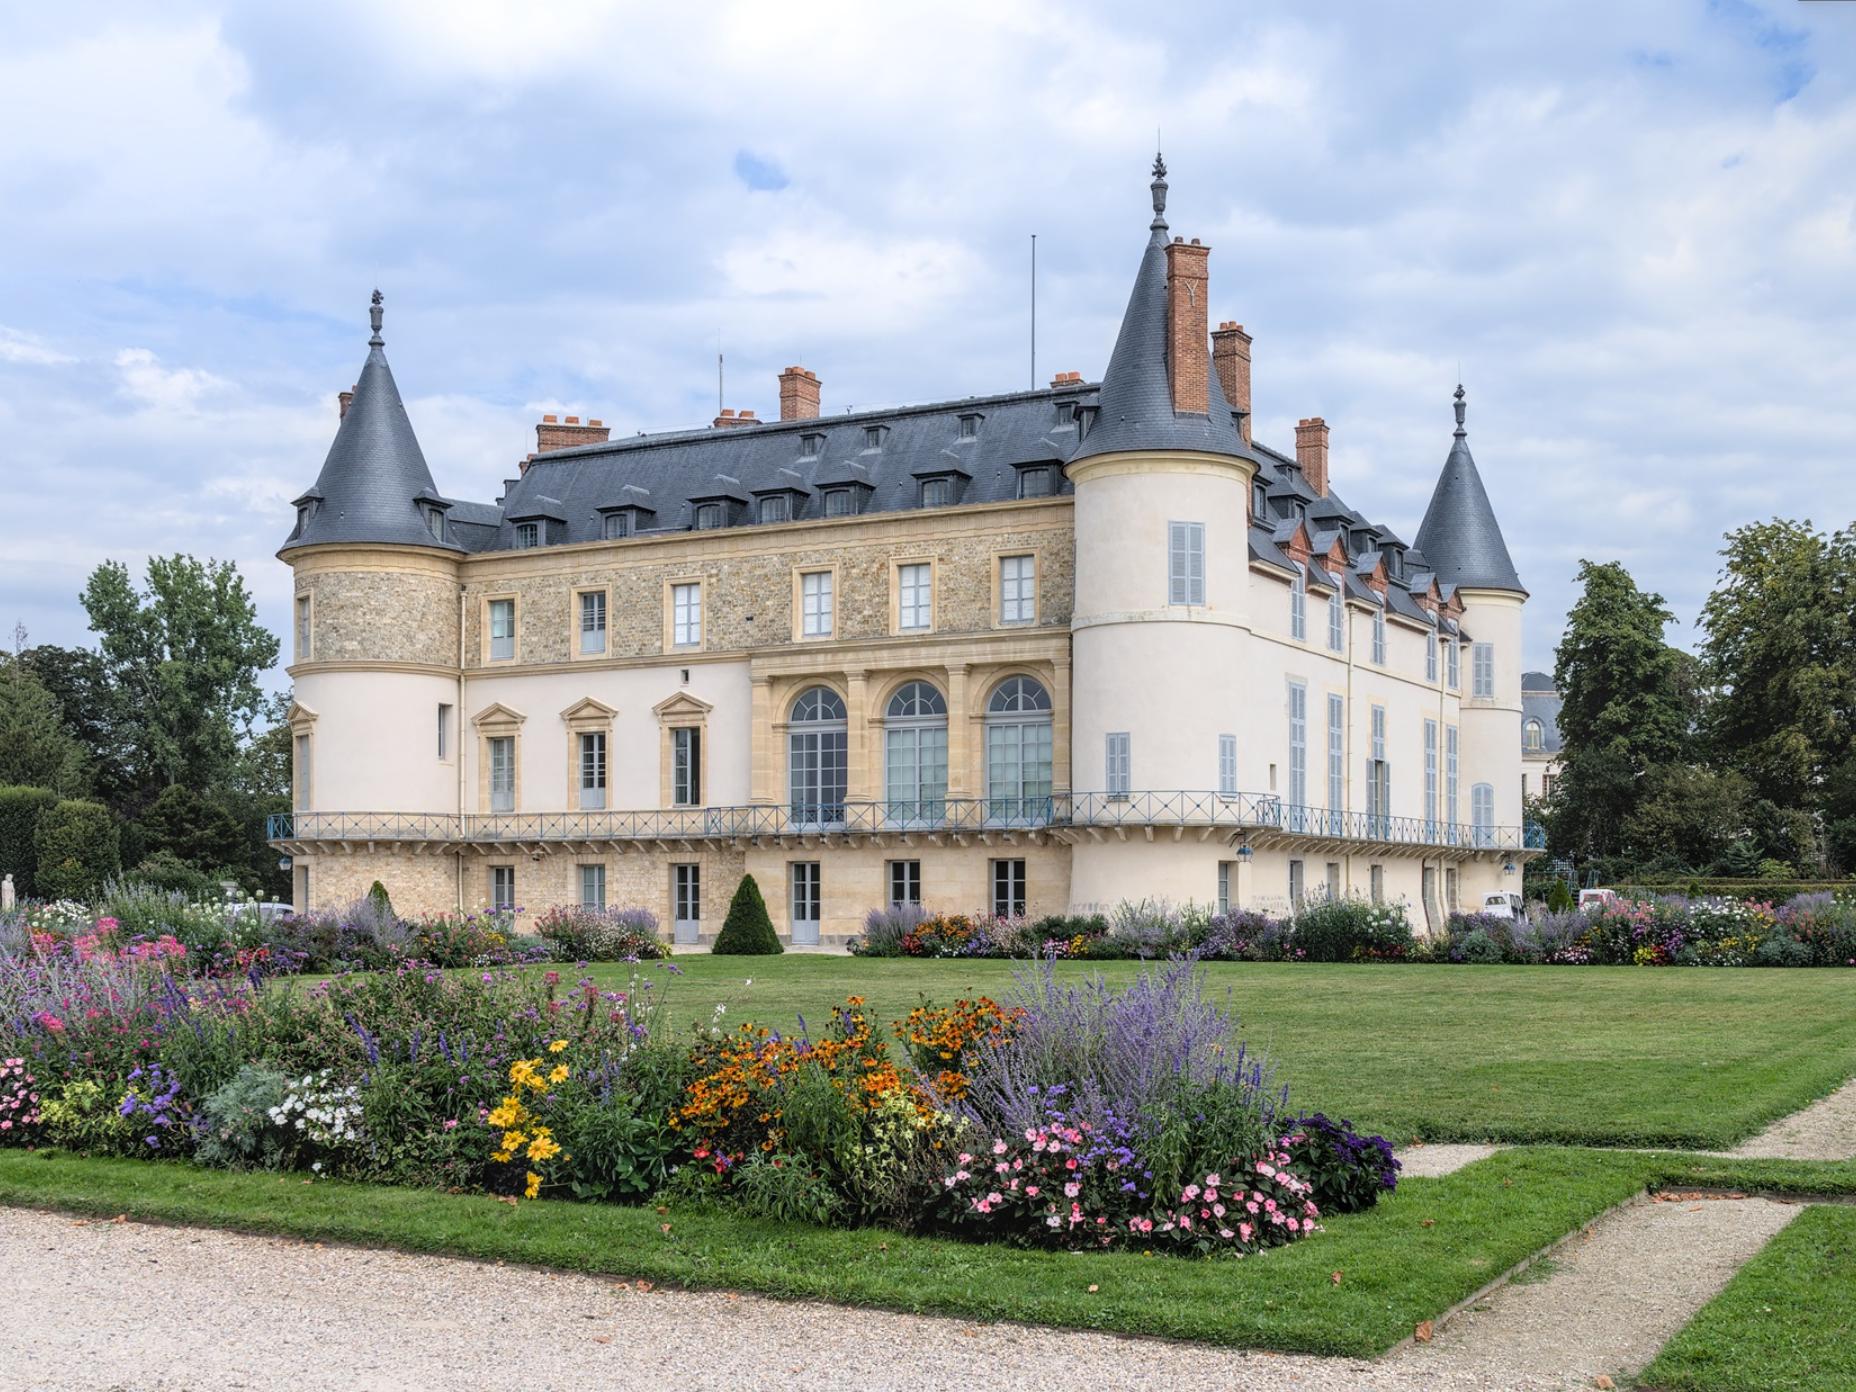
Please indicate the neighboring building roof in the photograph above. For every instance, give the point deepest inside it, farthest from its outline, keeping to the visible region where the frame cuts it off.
(1460, 535)
(1540, 701)
(1538, 681)
(374, 480)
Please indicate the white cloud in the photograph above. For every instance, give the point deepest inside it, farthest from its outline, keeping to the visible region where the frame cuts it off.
(29, 350)
(174, 389)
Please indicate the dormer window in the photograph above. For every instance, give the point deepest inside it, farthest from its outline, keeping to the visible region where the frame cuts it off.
(776, 507)
(839, 502)
(708, 516)
(618, 526)
(1066, 414)
(302, 517)
(1259, 500)
(435, 522)
(935, 492)
(873, 436)
(811, 446)
(1035, 482)
(969, 427)
(528, 534)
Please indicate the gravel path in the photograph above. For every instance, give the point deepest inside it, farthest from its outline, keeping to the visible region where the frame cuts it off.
(1436, 1161)
(1825, 1130)
(97, 1304)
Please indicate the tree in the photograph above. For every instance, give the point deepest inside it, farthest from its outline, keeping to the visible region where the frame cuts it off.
(197, 830)
(77, 849)
(35, 747)
(20, 810)
(1627, 707)
(747, 931)
(184, 655)
(1687, 817)
(91, 707)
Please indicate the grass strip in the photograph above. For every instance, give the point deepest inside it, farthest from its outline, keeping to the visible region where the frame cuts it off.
(1785, 1323)
(1431, 1245)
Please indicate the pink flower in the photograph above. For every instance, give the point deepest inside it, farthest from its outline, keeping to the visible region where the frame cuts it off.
(1072, 1189)
(1031, 1190)
(1244, 1230)
(1190, 1192)
(998, 1147)
(1218, 1208)
(1212, 1181)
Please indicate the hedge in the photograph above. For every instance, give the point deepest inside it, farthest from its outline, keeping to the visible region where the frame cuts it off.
(20, 808)
(78, 847)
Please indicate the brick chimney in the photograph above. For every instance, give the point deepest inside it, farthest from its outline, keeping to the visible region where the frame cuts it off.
(554, 434)
(1187, 361)
(1067, 379)
(798, 394)
(731, 417)
(1311, 452)
(1231, 356)
(346, 399)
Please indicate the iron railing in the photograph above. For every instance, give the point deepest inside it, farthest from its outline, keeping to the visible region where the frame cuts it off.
(1261, 813)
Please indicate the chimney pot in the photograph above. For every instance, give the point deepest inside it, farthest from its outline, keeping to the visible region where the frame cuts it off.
(547, 420)
(345, 399)
(573, 420)
(594, 421)
(556, 434)
(799, 394)
(1311, 452)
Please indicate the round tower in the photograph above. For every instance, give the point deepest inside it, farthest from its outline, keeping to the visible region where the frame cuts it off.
(1162, 483)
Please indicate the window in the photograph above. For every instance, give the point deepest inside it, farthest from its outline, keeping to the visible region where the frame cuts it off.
(1066, 414)
(686, 766)
(1333, 881)
(592, 886)
(1337, 622)
(528, 535)
(592, 622)
(302, 628)
(1227, 765)
(1430, 657)
(1337, 760)
(1018, 600)
(873, 437)
(1185, 562)
(1430, 780)
(502, 886)
(936, 492)
(502, 750)
(1377, 876)
(969, 427)
(1034, 483)
(686, 901)
(1118, 760)
(805, 894)
(618, 525)
(838, 502)
(708, 516)
(815, 608)
(686, 615)
(1453, 673)
(1482, 671)
(1482, 813)
(811, 446)
(1008, 888)
(1259, 500)
(1018, 751)
(915, 755)
(301, 770)
(502, 630)
(1224, 886)
(1295, 882)
(1378, 779)
(1379, 636)
(1450, 781)
(905, 882)
(777, 508)
(1533, 735)
(592, 771)
(915, 597)
(1450, 888)
(444, 731)
(1298, 608)
(1298, 754)
(435, 522)
(816, 757)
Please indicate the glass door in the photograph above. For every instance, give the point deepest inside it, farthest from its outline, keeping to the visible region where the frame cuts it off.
(803, 877)
(686, 903)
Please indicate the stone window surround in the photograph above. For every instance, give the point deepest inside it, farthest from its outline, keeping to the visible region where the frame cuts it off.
(681, 711)
(497, 721)
(483, 628)
(573, 622)
(800, 572)
(302, 722)
(586, 716)
(670, 613)
(1037, 582)
(896, 563)
(303, 632)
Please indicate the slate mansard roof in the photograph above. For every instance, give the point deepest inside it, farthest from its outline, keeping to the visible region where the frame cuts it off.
(1540, 700)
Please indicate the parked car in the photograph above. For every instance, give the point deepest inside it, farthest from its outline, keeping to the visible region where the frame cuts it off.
(1597, 898)
(1502, 905)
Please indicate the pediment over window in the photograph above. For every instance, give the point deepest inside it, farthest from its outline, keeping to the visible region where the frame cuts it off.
(496, 715)
(681, 706)
(587, 711)
(299, 715)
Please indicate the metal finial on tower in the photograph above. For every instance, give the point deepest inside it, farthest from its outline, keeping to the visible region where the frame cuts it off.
(1159, 188)
(1460, 411)
(374, 314)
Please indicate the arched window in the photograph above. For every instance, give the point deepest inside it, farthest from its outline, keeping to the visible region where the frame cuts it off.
(915, 755)
(1482, 813)
(1533, 735)
(1018, 752)
(816, 759)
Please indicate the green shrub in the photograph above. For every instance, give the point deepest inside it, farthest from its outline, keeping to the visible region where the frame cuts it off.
(1352, 930)
(1559, 898)
(83, 1117)
(378, 901)
(20, 809)
(78, 849)
(1478, 946)
(785, 1188)
(236, 1129)
(747, 931)
(618, 1149)
(168, 872)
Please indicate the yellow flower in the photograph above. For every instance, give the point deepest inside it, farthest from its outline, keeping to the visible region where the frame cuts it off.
(534, 1185)
(557, 1046)
(542, 1148)
(512, 1140)
(501, 1157)
(558, 1074)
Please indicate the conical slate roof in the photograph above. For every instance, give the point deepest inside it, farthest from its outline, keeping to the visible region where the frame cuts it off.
(1460, 536)
(1136, 404)
(374, 483)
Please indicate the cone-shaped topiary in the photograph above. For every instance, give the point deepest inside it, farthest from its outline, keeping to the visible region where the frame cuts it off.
(747, 931)
(378, 901)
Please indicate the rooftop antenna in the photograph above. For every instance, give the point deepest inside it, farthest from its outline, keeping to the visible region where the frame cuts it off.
(1034, 311)
(718, 374)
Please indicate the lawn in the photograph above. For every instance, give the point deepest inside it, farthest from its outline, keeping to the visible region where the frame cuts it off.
(1620, 1056)
(1785, 1323)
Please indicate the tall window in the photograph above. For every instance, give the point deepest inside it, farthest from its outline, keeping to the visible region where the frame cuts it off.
(444, 730)
(1377, 879)
(1224, 886)
(1018, 751)
(816, 760)
(1379, 778)
(1298, 607)
(302, 628)
(1430, 780)
(1482, 813)
(1337, 622)
(686, 615)
(905, 882)
(1453, 672)
(1450, 781)
(815, 606)
(1533, 735)
(915, 597)
(1430, 657)
(503, 773)
(1298, 754)
(301, 773)
(1227, 765)
(1483, 671)
(1018, 601)
(592, 771)
(502, 886)
(686, 901)
(1337, 760)
(592, 622)
(592, 886)
(502, 630)
(1297, 882)
(1118, 759)
(686, 766)
(1008, 888)
(915, 755)
(1185, 563)
(1379, 636)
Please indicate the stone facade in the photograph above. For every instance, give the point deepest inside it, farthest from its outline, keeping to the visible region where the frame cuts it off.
(379, 607)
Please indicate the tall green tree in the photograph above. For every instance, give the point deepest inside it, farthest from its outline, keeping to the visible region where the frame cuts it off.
(91, 709)
(183, 654)
(35, 747)
(1780, 654)
(1627, 708)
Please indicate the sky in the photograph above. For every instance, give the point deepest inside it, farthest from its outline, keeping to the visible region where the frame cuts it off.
(1629, 229)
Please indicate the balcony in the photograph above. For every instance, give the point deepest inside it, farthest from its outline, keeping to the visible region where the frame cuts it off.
(1261, 821)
